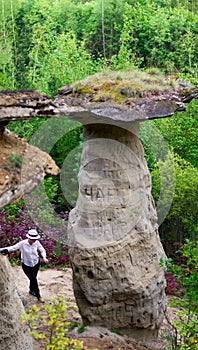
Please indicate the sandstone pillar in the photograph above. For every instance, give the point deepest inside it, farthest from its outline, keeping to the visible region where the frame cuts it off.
(14, 334)
(113, 235)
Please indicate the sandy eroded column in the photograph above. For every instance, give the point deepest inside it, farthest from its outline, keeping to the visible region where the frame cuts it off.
(13, 333)
(113, 235)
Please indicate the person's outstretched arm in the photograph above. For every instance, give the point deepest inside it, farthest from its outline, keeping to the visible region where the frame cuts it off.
(42, 251)
(11, 248)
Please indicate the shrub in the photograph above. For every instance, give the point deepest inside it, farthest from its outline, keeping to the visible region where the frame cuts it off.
(52, 317)
(182, 281)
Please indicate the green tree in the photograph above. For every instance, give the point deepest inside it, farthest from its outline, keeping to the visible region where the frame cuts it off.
(159, 36)
(66, 63)
(102, 26)
(8, 57)
(180, 132)
(181, 221)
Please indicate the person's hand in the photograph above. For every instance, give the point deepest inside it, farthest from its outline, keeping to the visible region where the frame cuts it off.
(4, 252)
(45, 260)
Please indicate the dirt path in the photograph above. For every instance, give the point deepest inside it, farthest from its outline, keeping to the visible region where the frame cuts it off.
(58, 282)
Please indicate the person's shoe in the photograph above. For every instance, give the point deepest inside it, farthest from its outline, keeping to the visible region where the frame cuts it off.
(32, 292)
(41, 300)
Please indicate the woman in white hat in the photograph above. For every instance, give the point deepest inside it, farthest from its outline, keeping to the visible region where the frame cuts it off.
(30, 258)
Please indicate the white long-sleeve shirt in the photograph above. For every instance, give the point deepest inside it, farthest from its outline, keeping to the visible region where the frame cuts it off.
(29, 253)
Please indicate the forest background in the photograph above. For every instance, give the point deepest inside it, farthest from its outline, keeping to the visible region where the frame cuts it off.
(46, 44)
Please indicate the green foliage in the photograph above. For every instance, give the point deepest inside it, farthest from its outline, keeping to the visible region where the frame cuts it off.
(181, 221)
(154, 143)
(67, 62)
(55, 56)
(43, 214)
(47, 44)
(53, 317)
(186, 274)
(116, 331)
(6, 65)
(166, 38)
(180, 132)
(65, 149)
(101, 27)
(13, 210)
(8, 59)
(81, 328)
(51, 188)
(26, 128)
(16, 160)
(69, 174)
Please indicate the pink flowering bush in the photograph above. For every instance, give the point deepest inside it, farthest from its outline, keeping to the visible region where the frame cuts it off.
(14, 225)
(172, 284)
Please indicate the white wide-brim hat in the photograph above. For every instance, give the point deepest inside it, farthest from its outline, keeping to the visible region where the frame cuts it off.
(33, 234)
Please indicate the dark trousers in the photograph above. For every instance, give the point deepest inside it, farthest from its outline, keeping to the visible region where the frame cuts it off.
(31, 273)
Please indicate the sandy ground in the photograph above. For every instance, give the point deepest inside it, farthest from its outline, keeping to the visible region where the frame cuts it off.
(58, 282)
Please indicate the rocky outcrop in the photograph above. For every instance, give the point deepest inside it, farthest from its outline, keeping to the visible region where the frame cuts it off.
(14, 333)
(22, 167)
(20, 105)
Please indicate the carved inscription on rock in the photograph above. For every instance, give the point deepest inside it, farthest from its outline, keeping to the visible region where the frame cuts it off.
(111, 193)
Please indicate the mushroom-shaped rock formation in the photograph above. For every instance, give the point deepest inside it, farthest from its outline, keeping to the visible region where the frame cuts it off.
(22, 166)
(113, 232)
(14, 333)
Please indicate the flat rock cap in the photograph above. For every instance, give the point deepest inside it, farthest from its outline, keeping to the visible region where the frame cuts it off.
(123, 97)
